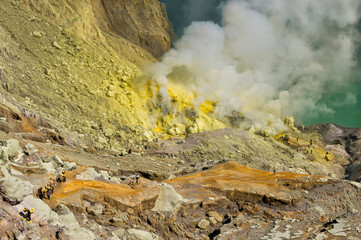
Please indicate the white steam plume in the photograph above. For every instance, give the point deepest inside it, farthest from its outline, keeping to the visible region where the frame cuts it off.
(269, 59)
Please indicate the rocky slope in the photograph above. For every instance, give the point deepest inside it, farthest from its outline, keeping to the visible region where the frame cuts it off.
(73, 97)
(228, 201)
(189, 188)
(60, 60)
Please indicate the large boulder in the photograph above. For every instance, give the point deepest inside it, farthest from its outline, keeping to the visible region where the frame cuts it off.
(89, 174)
(72, 227)
(169, 201)
(9, 149)
(14, 190)
(42, 211)
(13, 148)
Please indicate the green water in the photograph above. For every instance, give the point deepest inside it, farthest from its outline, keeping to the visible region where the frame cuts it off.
(346, 116)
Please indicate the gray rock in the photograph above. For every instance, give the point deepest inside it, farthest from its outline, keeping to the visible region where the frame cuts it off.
(142, 235)
(72, 227)
(68, 166)
(9, 149)
(96, 209)
(42, 211)
(14, 190)
(49, 167)
(104, 174)
(120, 217)
(119, 234)
(4, 157)
(169, 201)
(58, 160)
(21, 237)
(13, 147)
(30, 149)
(89, 174)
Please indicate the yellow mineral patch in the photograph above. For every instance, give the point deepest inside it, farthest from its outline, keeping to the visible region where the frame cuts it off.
(207, 106)
(180, 97)
(207, 123)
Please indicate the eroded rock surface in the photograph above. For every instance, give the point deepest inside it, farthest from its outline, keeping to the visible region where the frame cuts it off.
(226, 200)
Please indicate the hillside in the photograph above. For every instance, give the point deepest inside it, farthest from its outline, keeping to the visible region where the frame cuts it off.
(75, 96)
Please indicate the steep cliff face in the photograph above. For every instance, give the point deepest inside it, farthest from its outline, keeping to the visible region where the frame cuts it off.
(130, 28)
(143, 22)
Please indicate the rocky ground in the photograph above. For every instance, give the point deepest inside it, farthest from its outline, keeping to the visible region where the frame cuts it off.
(73, 98)
(209, 185)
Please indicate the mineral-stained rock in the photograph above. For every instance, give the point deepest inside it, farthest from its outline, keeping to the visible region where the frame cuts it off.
(213, 220)
(242, 183)
(215, 215)
(204, 224)
(120, 196)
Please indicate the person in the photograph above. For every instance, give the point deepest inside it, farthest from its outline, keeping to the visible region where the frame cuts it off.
(327, 157)
(62, 177)
(51, 185)
(137, 178)
(48, 190)
(44, 191)
(27, 214)
(40, 193)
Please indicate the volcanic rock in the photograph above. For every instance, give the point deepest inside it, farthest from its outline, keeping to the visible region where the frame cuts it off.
(30, 149)
(169, 201)
(42, 211)
(72, 227)
(142, 235)
(14, 190)
(204, 224)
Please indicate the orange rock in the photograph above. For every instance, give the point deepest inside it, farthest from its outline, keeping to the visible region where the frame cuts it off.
(242, 183)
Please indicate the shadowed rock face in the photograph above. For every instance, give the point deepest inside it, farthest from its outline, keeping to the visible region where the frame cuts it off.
(144, 23)
(350, 139)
